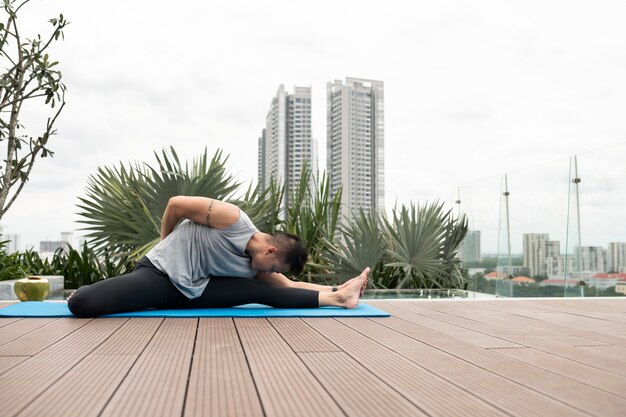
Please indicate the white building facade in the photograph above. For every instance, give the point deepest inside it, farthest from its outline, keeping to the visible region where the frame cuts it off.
(356, 143)
(616, 257)
(286, 144)
(470, 247)
(592, 258)
(14, 242)
(537, 249)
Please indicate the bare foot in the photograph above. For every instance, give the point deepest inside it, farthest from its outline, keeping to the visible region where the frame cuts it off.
(348, 296)
(363, 287)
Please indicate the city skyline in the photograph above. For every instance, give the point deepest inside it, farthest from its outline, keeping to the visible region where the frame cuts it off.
(472, 90)
(543, 256)
(354, 142)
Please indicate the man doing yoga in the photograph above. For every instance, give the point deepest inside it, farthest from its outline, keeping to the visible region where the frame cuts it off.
(214, 258)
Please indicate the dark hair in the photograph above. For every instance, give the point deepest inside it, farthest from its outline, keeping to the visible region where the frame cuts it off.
(294, 252)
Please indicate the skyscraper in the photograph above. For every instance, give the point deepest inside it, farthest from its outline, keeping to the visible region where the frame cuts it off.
(537, 249)
(286, 143)
(14, 242)
(592, 258)
(355, 143)
(470, 247)
(616, 257)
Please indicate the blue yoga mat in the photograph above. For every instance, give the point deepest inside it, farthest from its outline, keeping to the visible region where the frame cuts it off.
(59, 309)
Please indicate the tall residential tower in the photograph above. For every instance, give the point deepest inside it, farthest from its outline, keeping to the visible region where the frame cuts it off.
(539, 251)
(355, 143)
(286, 143)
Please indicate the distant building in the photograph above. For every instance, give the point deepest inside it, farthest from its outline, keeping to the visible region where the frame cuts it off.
(604, 281)
(537, 248)
(355, 143)
(14, 243)
(50, 246)
(558, 266)
(286, 144)
(67, 237)
(522, 280)
(495, 275)
(470, 247)
(616, 257)
(514, 270)
(559, 282)
(592, 258)
(620, 287)
(533, 244)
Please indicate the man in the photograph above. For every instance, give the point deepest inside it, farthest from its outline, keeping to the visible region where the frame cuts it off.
(214, 258)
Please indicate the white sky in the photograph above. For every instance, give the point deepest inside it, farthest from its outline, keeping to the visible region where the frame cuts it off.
(472, 90)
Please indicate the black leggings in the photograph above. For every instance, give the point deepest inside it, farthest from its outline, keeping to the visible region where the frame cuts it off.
(147, 287)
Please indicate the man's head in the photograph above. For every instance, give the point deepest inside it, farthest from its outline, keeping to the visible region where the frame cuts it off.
(283, 252)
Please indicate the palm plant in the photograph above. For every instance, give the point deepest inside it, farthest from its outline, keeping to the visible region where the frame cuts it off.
(422, 241)
(361, 244)
(451, 274)
(123, 207)
(263, 206)
(313, 215)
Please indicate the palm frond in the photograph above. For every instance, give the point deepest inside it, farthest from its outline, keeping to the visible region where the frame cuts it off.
(123, 205)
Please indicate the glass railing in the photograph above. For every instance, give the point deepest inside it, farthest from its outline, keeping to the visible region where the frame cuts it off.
(554, 229)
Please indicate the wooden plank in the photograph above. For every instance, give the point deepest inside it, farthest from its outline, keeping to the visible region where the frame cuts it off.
(34, 375)
(4, 321)
(470, 319)
(357, 391)
(21, 327)
(501, 318)
(157, 383)
(597, 356)
(285, 386)
(532, 310)
(486, 385)
(8, 362)
(595, 400)
(461, 333)
(42, 337)
(520, 316)
(426, 390)
(220, 383)
(588, 308)
(611, 339)
(300, 337)
(88, 386)
(595, 377)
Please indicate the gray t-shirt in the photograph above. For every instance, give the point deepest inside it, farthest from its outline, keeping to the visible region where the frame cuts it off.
(193, 252)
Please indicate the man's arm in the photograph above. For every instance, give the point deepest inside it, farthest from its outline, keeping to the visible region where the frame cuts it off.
(207, 211)
(279, 280)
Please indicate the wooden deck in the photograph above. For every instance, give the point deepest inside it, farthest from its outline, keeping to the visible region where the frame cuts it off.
(431, 358)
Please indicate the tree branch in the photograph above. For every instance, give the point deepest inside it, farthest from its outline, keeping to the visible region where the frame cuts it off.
(33, 155)
(30, 64)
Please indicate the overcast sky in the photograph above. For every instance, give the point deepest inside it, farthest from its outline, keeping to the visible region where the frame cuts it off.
(472, 90)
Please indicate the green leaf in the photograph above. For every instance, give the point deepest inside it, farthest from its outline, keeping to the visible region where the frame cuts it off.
(123, 205)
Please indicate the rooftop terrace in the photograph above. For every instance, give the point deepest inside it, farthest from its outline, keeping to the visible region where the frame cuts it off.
(564, 357)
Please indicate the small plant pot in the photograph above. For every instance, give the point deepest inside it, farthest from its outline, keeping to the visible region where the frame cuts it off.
(32, 289)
